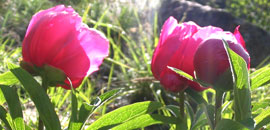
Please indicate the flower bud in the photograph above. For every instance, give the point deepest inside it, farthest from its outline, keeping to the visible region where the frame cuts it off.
(211, 61)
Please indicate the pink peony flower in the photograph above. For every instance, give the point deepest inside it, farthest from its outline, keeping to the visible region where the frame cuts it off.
(211, 60)
(58, 38)
(176, 48)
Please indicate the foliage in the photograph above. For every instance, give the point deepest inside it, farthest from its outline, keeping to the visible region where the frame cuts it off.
(124, 78)
(254, 11)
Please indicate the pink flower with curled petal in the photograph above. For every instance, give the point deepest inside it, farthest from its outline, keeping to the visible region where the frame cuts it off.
(58, 38)
(211, 60)
(177, 46)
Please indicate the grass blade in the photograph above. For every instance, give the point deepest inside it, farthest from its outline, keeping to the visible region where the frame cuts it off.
(14, 106)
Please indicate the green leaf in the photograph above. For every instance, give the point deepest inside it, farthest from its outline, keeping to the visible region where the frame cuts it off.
(260, 77)
(195, 96)
(14, 106)
(146, 120)
(260, 105)
(242, 96)
(38, 96)
(208, 110)
(73, 123)
(124, 114)
(108, 95)
(199, 120)
(182, 73)
(173, 109)
(249, 123)
(3, 117)
(181, 125)
(2, 98)
(86, 110)
(227, 124)
(263, 118)
(8, 78)
(190, 111)
(189, 77)
(54, 75)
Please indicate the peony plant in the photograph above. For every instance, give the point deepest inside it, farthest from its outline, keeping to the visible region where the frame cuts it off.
(57, 38)
(205, 69)
(201, 55)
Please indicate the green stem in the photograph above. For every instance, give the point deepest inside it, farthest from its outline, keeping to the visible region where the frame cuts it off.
(182, 104)
(182, 118)
(40, 124)
(219, 100)
(44, 86)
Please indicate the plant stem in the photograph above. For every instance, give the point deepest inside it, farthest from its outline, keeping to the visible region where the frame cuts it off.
(40, 124)
(44, 86)
(219, 100)
(182, 104)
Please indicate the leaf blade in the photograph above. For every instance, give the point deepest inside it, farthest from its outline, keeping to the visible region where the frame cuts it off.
(146, 120)
(242, 95)
(14, 106)
(8, 78)
(263, 118)
(260, 77)
(126, 113)
(38, 96)
(227, 124)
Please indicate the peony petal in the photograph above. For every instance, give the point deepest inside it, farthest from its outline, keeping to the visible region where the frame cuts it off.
(91, 51)
(162, 56)
(172, 81)
(196, 86)
(204, 33)
(167, 29)
(75, 83)
(48, 36)
(239, 37)
(51, 11)
(95, 45)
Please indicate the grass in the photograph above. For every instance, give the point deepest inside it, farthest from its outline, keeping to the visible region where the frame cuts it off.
(132, 39)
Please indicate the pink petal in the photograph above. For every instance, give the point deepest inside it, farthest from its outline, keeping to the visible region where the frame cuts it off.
(95, 45)
(204, 33)
(51, 11)
(196, 86)
(162, 55)
(91, 51)
(239, 37)
(164, 52)
(172, 81)
(48, 35)
(167, 29)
